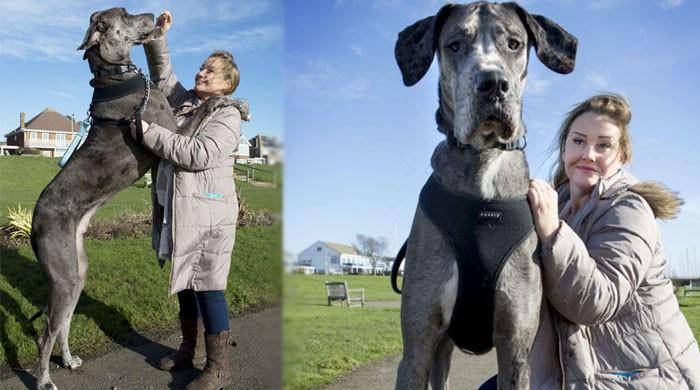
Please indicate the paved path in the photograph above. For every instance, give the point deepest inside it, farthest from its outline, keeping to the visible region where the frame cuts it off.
(467, 372)
(256, 362)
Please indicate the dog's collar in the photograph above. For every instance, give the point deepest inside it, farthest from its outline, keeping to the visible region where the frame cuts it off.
(111, 70)
(518, 144)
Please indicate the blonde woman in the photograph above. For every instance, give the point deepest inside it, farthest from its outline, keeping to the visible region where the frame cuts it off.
(615, 317)
(196, 204)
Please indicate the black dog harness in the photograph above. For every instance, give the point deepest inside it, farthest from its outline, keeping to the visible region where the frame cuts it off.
(482, 235)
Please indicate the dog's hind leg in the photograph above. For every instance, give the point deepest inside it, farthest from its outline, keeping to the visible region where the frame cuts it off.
(57, 243)
(70, 361)
(440, 369)
(518, 299)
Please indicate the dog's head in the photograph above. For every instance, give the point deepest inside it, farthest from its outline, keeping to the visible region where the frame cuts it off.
(116, 31)
(483, 52)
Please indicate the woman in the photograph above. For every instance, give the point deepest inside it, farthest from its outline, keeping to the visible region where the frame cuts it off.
(196, 209)
(616, 319)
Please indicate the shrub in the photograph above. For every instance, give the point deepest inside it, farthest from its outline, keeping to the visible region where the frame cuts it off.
(20, 223)
(248, 217)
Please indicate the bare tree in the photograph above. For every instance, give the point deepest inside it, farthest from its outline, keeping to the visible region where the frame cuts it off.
(371, 247)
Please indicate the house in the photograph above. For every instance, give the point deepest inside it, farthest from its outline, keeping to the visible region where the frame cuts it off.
(266, 150)
(50, 132)
(242, 155)
(332, 258)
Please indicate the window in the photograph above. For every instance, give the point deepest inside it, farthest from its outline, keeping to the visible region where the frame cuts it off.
(45, 137)
(60, 139)
(32, 135)
(318, 249)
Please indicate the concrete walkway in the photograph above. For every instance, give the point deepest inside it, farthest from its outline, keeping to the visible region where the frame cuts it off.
(467, 372)
(255, 362)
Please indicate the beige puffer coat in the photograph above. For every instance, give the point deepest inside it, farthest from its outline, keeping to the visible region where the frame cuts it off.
(615, 315)
(204, 206)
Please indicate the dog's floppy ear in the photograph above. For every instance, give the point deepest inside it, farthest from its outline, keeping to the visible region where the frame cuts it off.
(92, 36)
(415, 47)
(555, 47)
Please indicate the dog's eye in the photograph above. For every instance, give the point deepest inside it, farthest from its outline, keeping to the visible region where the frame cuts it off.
(513, 44)
(454, 46)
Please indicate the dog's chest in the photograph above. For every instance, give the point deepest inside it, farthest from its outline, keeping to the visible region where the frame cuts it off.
(482, 234)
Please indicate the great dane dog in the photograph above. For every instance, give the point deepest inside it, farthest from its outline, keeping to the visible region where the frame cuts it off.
(107, 162)
(472, 276)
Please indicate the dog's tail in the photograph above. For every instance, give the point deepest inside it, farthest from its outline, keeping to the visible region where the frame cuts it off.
(39, 313)
(395, 268)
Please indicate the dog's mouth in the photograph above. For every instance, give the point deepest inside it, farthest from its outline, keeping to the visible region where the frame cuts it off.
(496, 126)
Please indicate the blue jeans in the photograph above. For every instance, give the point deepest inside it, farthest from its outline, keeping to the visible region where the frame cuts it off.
(491, 384)
(210, 305)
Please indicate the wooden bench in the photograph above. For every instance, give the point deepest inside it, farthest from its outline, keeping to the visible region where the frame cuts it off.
(339, 291)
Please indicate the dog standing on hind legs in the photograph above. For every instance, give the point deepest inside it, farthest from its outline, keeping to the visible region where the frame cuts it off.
(107, 162)
(473, 279)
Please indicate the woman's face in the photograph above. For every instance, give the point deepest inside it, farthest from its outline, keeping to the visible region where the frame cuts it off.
(591, 151)
(210, 81)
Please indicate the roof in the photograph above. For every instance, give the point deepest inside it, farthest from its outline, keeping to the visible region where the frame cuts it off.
(341, 248)
(244, 140)
(49, 119)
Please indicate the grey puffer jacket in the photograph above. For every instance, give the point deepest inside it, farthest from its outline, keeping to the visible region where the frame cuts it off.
(616, 318)
(204, 206)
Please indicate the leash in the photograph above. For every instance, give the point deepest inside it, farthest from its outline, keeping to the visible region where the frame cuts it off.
(105, 94)
(75, 144)
(395, 267)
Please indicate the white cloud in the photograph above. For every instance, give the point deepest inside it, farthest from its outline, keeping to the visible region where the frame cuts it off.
(51, 30)
(537, 86)
(596, 80)
(669, 4)
(244, 40)
(322, 80)
(61, 94)
(356, 50)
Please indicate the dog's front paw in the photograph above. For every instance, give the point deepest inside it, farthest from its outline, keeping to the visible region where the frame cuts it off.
(73, 363)
(47, 386)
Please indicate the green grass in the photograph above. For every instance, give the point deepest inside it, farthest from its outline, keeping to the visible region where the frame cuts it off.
(322, 342)
(126, 293)
(23, 179)
(690, 306)
(268, 173)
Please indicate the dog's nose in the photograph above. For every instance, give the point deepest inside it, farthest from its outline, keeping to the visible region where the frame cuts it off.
(491, 84)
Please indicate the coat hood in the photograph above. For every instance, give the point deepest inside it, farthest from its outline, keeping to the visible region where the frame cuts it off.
(664, 203)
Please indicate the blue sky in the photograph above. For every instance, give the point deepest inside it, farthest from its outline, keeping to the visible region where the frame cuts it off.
(358, 143)
(40, 66)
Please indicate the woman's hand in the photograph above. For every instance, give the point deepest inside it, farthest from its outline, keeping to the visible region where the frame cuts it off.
(135, 133)
(164, 21)
(545, 211)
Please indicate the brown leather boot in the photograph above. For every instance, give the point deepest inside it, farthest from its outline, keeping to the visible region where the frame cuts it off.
(217, 373)
(191, 350)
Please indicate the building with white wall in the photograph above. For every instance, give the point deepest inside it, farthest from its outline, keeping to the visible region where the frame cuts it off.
(332, 258)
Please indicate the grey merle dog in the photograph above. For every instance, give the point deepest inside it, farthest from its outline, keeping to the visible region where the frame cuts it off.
(472, 276)
(108, 161)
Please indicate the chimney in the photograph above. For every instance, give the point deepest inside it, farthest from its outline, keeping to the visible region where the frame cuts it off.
(21, 120)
